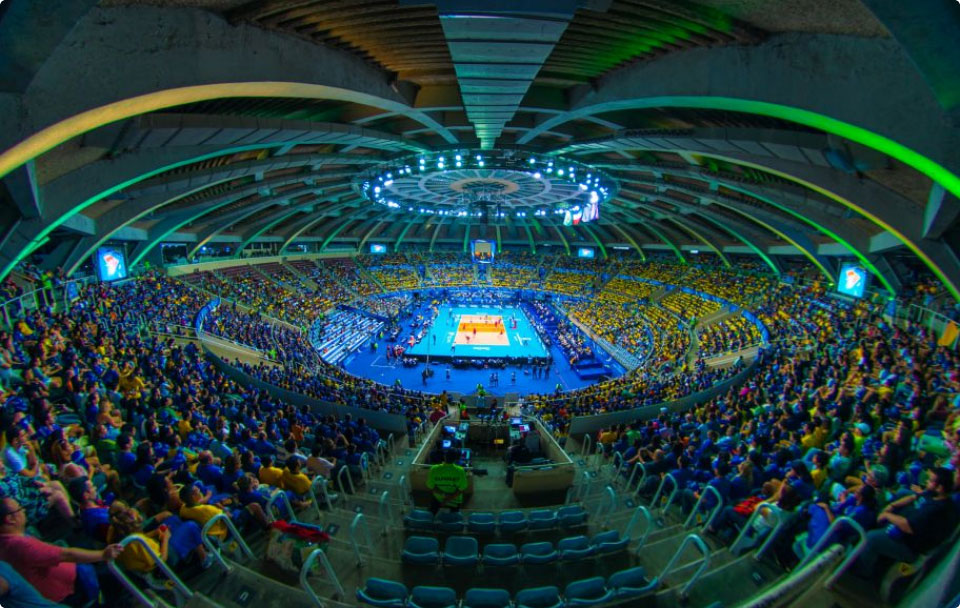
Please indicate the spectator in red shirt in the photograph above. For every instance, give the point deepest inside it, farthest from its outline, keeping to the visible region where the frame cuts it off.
(61, 574)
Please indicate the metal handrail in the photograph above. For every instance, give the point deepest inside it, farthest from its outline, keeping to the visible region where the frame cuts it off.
(181, 591)
(232, 530)
(851, 556)
(659, 492)
(616, 467)
(774, 531)
(696, 508)
(381, 454)
(705, 561)
(368, 544)
(343, 487)
(365, 466)
(637, 466)
(391, 444)
(611, 503)
(641, 512)
(279, 494)
(320, 482)
(405, 488)
(319, 554)
(586, 448)
(385, 511)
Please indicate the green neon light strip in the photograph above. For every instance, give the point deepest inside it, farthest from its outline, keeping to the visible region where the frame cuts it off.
(643, 256)
(850, 205)
(466, 238)
(396, 246)
(809, 254)
(603, 250)
(921, 163)
(326, 241)
(563, 239)
(300, 231)
(533, 248)
(745, 241)
(702, 239)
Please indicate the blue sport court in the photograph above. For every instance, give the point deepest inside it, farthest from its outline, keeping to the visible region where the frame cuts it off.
(474, 332)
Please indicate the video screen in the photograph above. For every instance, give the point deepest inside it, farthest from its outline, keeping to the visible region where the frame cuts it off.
(450, 430)
(482, 251)
(446, 444)
(591, 211)
(111, 264)
(516, 421)
(376, 248)
(524, 428)
(853, 280)
(586, 252)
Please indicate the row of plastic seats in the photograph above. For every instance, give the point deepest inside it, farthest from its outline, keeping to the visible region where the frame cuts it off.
(464, 550)
(632, 582)
(507, 522)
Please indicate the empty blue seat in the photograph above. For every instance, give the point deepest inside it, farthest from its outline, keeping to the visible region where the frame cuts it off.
(542, 518)
(449, 522)
(481, 523)
(500, 554)
(381, 592)
(419, 519)
(538, 553)
(631, 582)
(572, 515)
(486, 598)
(421, 550)
(575, 547)
(512, 521)
(424, 596)
(539, 597)
(588, 592)
(461, 551)
(610, 542)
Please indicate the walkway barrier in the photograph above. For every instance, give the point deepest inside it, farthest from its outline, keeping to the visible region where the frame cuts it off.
(659, 493)
(280, 495)
(182, 594)
(608, 506)
(359, 527)
(214, 549)
(318, 555)
(343, 487)
(697, 543)
(318, 491)
(713, 512)
(743, 538)
(853, 554)
(641, 513)
(385, 512)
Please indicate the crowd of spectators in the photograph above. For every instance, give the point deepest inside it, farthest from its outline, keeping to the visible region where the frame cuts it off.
(108, 425)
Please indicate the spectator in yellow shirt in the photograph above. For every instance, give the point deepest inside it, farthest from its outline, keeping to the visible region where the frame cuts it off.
(296, 482)
(193, 509)
(269, 474)
(126, 521)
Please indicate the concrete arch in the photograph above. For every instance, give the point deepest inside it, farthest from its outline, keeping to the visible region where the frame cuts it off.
(758, 80)
(166, 63)
(692, 232)
(647, 224)
(298, 229)
(630, 240)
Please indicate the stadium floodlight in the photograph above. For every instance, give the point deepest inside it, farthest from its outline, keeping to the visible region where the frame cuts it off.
(537, 175)
(533, 161)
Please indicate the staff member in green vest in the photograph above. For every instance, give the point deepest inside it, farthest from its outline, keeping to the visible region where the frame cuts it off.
(447, 481)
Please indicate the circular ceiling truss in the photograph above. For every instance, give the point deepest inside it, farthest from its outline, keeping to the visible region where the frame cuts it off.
(491, 184)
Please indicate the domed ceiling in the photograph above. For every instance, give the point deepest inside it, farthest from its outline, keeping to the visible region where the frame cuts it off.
(811, 129)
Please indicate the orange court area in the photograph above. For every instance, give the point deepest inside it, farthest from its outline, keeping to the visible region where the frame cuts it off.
(481, 330)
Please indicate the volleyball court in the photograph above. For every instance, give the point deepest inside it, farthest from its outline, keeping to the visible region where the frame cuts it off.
(481, 330)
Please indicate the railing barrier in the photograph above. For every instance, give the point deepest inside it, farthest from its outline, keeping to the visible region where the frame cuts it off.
(853, 554)
(698, 543)
(360, 521)
(696, 509)
(232, 533)
(319, 555)
(280, 495)
(181, 592)
(640, 513)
